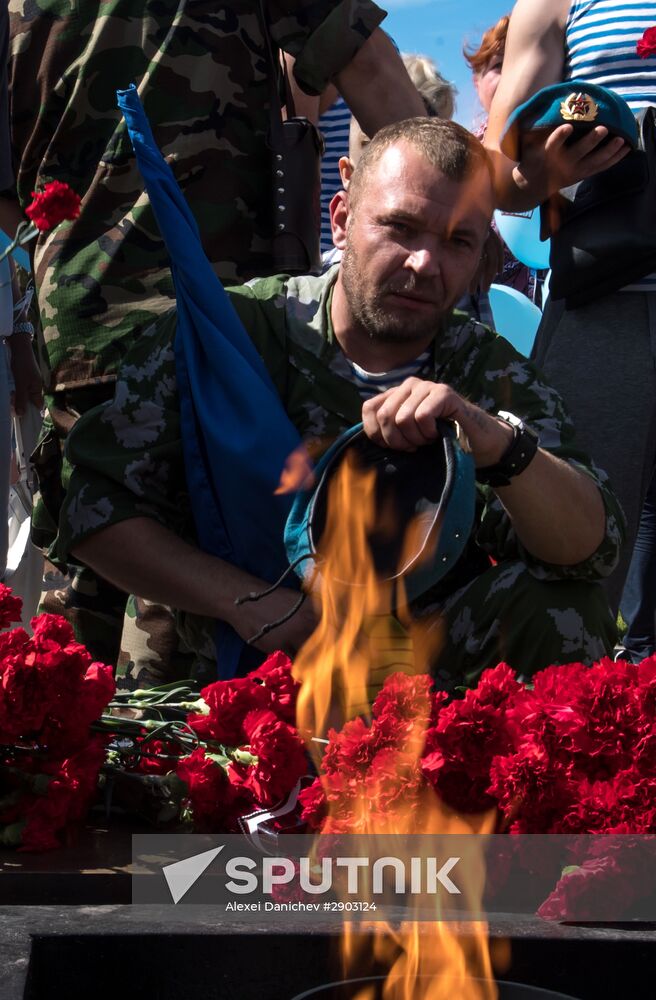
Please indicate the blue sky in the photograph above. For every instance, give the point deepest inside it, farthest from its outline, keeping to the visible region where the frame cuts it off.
(439, 28)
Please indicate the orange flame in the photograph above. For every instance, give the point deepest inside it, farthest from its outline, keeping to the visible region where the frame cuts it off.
(357, 644)
(297, 474)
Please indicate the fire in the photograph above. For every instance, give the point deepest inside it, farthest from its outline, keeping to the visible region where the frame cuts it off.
(357, 644)
(297, 474)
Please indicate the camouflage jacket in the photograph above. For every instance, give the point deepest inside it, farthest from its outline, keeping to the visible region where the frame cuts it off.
(201, 69)
(128, 455)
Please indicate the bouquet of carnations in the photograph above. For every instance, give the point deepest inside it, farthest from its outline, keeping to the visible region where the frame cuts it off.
(50, 694)
(574, 752)
(206, 761)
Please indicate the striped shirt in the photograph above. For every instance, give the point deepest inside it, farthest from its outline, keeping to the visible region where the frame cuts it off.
(600, 40)
(334, 124)
(369, 384)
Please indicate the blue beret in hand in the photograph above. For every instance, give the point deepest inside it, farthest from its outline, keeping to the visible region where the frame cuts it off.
(573, 102)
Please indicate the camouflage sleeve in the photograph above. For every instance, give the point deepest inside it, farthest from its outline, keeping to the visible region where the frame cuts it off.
(127, 453)
(502, 379)
(322, 35)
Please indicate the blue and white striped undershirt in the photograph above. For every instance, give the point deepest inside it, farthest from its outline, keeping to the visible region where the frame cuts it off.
(370, 384)
(334, 124)
(600, 42)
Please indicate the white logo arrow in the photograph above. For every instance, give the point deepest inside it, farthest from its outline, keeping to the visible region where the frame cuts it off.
(181, 875)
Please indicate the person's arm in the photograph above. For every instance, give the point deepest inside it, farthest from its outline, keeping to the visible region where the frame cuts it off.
(534, 58)
(556, 510)
(181, 575)
(305, 105)
(376, 86)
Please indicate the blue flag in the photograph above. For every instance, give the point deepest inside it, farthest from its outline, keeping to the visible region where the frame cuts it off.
(236, 434)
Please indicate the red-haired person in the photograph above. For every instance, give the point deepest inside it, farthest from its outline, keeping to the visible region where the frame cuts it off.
(486, 62)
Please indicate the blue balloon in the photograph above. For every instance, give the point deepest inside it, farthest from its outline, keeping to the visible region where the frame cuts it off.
(515, 317)
(521, 234)
(19, 254)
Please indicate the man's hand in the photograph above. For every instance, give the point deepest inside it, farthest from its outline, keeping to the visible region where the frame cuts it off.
(548, 163)
(250, 617)
(556, 510)
(404, 418)
(180, 575)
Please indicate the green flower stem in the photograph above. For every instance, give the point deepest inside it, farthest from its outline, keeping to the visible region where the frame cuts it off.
(187, 706)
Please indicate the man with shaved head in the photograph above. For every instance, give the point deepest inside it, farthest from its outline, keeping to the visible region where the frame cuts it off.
(375, 339)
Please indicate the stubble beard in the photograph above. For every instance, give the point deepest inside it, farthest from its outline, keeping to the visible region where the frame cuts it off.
(370, 312)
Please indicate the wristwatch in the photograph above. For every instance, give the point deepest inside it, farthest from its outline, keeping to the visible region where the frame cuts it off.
(519, 453)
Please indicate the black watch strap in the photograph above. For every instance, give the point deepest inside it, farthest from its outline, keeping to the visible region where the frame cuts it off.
(519, 453)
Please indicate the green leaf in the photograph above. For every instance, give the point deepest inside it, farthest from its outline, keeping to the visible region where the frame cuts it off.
(218, 758)
(12, 834)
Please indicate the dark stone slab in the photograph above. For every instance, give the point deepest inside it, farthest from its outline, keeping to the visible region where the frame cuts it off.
(95, 868)
(74, 953)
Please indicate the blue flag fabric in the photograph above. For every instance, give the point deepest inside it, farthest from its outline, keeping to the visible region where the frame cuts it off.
(236, 434)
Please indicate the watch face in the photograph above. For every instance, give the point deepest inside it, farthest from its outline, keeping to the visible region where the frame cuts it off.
(511, 418)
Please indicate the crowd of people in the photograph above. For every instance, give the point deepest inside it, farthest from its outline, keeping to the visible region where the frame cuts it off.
(395, 332)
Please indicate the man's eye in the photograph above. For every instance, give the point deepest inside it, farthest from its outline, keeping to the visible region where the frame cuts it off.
(402, 228)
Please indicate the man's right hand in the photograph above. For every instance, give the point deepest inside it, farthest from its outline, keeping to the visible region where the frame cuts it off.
(142, 556)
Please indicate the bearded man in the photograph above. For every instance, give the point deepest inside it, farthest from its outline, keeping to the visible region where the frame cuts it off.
(374, 339)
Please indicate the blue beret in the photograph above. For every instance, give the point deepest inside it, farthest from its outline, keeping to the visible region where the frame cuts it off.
(573, 102)
(433, 486)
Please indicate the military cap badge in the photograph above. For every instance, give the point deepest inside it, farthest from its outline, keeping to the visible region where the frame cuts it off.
(579, 108)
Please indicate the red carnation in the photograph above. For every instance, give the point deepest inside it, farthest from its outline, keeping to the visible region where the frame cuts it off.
(275, 675)
(53, 205)
(405, 695)
(66, 799)
(280, 760)
(229, 702)
(392, 788)
(69, 720)
(469, 733)
(10, 607)
(352, 749)
(211, 795)
(347, 807)
(313, 805)
(604, 885)
(157, 757)
(647, 45)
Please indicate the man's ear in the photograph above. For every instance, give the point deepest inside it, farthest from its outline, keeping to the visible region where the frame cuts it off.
(339, 217)
(346, 168)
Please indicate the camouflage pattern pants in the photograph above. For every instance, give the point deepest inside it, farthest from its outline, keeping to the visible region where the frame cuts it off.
(506, 614)
(136, 635)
